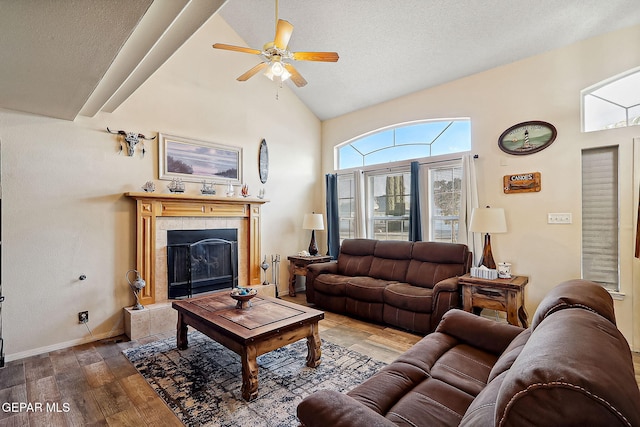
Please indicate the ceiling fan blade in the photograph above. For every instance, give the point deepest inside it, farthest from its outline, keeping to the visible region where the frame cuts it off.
(236, 48)
(295, 75)
(316, 56)
(252, 72)
(283, 34)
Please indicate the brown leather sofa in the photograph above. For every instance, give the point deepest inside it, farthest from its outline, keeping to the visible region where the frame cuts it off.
(404, 284)
(572, 367)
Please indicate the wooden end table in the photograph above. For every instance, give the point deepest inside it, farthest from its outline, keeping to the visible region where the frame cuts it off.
(298, 267)
(497, 294)
(268, 324)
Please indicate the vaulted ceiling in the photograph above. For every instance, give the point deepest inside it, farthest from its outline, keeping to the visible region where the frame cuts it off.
(71, 57)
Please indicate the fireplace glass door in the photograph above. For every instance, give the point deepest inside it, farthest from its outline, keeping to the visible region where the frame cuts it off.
(203, 266)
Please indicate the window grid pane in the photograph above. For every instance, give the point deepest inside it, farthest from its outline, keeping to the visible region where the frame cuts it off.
(446, 194)
(346, 206)
(388, 205)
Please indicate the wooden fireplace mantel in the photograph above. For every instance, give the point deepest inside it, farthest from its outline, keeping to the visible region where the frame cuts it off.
(149, 206)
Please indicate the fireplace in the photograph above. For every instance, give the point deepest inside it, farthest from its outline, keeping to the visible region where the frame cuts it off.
(201, 261)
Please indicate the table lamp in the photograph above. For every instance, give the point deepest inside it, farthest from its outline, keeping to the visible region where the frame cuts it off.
(313, 222)
(488, 220)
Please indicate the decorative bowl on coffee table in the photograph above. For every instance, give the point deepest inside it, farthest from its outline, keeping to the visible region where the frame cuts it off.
(243, 296)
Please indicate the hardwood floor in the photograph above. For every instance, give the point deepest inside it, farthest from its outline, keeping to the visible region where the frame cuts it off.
(95, 385)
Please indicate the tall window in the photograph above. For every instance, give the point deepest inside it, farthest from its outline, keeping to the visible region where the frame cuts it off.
(386, 189)
(600, 216)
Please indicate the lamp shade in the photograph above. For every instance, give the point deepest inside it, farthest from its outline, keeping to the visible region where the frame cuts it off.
(313, 221)
(488, 220)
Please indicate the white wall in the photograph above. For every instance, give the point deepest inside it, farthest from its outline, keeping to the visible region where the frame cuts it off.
(546, 87)
(64, 213)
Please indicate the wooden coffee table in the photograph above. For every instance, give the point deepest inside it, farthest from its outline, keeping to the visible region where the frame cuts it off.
(265, 326)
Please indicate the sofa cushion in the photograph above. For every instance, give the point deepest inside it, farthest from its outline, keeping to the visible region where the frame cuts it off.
(465, 367)
(331, 284)
(510, 354)
(366, 289)
(355, 256)
(486, 334)
(575, 366)
(391, 260)
(434, 261)
(575, 293)
(432, 383)
(481, 412)
(440, 252)
(409, 297)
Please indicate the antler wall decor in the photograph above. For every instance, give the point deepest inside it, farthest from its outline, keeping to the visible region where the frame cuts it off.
(131, 139)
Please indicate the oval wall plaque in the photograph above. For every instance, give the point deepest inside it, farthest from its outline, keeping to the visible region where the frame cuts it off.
(527, 137)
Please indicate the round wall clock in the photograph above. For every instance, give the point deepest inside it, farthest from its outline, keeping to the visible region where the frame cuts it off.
(263, 162)
(527, 137)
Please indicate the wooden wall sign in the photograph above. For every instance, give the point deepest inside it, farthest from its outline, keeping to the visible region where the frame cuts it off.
(521, 183)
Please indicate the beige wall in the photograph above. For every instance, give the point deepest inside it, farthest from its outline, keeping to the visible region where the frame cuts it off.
(546, 87)
(64, 213)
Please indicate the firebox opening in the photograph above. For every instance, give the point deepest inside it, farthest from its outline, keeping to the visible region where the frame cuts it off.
(201, 261)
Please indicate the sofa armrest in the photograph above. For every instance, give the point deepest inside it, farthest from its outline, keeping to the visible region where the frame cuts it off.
(322, 267)
(313, 271)
(477, 331)
(449, 285)
(331, 408)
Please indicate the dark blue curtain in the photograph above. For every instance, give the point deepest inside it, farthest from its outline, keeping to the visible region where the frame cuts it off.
(415, 229)
(333, 219)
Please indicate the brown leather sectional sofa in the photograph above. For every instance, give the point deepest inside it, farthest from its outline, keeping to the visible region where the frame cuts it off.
(404, 284)
(571, 367)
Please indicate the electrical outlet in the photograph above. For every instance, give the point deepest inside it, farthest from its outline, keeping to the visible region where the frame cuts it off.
(83, 317)
(559, 218)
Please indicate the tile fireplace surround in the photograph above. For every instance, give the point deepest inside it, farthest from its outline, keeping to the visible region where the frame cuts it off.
(156, 213)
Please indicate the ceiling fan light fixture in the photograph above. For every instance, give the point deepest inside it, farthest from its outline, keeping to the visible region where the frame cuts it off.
(276, 72)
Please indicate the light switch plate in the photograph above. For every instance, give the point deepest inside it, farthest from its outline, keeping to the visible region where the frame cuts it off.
(559, 218)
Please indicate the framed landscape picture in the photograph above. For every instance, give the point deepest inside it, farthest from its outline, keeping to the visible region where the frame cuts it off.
(196, 161)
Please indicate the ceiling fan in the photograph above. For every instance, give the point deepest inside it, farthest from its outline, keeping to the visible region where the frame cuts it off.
(276, 56)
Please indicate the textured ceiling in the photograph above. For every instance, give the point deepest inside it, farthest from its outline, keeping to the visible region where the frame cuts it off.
(392, 48)
(68, 57)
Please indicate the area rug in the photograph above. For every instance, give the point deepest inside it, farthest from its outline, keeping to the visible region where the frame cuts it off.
(202, 383)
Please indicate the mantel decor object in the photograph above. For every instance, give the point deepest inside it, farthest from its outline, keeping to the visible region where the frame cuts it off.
(207, 189)
(136, 286)
(527, 137)
(149, 187)
(176, 186)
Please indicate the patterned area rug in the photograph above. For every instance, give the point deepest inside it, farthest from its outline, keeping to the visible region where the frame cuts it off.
(202, 383)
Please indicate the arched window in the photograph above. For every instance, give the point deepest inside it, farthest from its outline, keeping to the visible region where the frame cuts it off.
(405, 142)
(612, 103)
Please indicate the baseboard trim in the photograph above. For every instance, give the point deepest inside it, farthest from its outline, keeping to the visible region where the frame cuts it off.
(62, 345)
